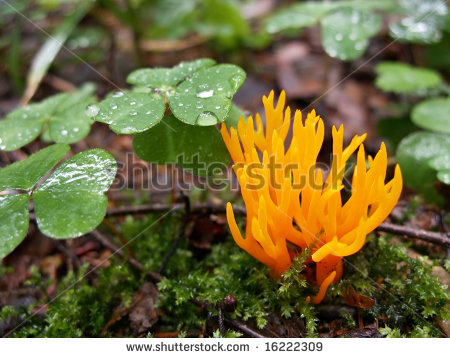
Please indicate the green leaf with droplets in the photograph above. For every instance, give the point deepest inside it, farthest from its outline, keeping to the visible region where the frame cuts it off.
(308, 13)
(199, 150)
(414, 154)
(65, 112)
(164, 79)
(13, 221)
(129, 112)
(20, 128)
(205, 98)
(346, 32)
(441, 164)
(70, 127)
(403, 78)
(433, 114)
(154, 78)
(71, 202)
(25, 175)
(444, 176)
(298, 16)
(424, 21)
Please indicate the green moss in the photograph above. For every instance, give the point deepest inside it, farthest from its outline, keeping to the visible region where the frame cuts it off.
(228, 269)
(409, 297)
(408, 300)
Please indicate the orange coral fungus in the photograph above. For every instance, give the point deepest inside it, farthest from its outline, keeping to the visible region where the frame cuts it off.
(291, 204)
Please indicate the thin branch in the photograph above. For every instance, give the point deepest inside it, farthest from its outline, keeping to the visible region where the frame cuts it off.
(220, 319)
(430, 236)
(242, 327)
(120, 236)
(209, 208)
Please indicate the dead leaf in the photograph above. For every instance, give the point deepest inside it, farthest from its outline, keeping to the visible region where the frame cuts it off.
(141, 312)
(355, 299)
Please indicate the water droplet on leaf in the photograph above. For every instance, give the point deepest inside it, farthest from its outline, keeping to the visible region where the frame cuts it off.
(92, 110)
(205, 94)
(207, 119)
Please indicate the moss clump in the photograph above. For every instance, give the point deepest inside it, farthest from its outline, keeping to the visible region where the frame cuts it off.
(408, 298)
(80, 308)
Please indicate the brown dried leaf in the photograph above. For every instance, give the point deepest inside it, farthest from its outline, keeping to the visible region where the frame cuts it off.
(141, 312)
(355, 299)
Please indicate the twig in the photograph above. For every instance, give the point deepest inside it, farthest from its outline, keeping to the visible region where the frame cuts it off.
(61, 247)
(120, 236)
(242, 327)
(172, 45)
(209, 208)
(59, 83)
(430, 236)
(221, 326)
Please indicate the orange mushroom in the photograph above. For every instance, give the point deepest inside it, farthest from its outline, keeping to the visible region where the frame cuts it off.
(292, 205)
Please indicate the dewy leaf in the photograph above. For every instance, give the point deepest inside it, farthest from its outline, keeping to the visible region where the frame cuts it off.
(444, 176)
(346, 32)
(23, 125)
(70, 127)
(414, 153)
(129, 112)
(308, 13)
(403, 78)
(423, 22)
(199, 150)
(25, 175)
(155, 78)
(205, 98)
(441, 164)
(13, 221)
(69, 215)
(71, 202)
(20, 127)
(298, 16)
(186, 69)
(433, 114)
(164, 79)
(84, 94)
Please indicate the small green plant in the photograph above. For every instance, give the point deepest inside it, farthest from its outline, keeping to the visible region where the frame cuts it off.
(61, 118)
(171, 111)
(69, 203)
(348, 25)
(423, 156)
